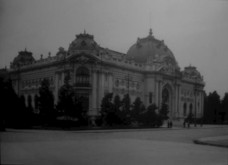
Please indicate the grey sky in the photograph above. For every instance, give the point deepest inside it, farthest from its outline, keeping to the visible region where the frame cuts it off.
(196, 31)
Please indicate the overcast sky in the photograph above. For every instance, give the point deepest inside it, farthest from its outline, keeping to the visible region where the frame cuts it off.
(195, 30)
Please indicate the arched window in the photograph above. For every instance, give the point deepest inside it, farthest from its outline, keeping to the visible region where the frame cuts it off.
(185, 109)
(82, 77)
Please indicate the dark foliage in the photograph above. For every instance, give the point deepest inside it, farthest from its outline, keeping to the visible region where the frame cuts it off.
(151, 117)
(66, 105)
(117, 109)
(224, 109)
(137, 109)
(212, 107)
(122, 113)
(13, 112)
(125, 114)
(46, 103)
(164, 112)
(107, 110)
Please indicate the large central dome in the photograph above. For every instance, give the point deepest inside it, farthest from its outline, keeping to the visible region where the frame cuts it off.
(150, 49)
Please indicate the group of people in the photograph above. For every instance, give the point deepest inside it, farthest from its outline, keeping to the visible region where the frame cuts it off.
(188, 123)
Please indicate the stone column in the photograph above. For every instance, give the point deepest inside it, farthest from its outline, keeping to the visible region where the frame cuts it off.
(157, 92)
(202, 103)
(102, 84)
(178, 100)
(100, 88)
(176, 110)
(33, 101)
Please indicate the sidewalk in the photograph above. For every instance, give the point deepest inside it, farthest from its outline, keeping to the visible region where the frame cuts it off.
(219, 141)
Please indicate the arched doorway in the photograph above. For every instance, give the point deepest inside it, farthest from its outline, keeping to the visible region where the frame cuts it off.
(167, 99)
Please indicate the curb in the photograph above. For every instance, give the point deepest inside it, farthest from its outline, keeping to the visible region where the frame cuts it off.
(210, 143)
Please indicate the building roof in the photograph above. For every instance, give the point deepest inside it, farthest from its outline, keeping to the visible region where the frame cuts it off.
(23, 58)
(150, 49)
(83, 41)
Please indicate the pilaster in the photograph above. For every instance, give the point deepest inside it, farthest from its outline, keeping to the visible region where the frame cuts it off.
(110, 84)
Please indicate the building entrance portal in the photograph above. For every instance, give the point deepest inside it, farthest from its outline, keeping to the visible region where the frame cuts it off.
(165, 97)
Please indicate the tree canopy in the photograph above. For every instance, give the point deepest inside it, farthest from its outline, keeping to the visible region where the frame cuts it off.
(46, 101)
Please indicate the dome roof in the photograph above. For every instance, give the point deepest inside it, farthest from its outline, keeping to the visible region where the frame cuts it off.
(23, 58)
(150, 49)
(83, 42)
(192, 72)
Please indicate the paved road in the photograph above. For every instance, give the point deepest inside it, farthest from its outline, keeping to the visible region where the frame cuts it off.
(135, 147)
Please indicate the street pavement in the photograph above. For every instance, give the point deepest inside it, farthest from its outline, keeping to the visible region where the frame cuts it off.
(113, 147)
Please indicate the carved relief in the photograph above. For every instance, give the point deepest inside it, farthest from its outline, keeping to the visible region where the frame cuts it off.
(82, 59)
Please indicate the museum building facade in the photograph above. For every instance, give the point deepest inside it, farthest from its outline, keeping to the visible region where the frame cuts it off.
(148, 70)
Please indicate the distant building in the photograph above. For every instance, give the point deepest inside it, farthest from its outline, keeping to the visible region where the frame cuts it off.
(149, 70)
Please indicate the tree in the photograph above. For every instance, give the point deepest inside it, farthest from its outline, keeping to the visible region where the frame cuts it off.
(66, 105)
(107, 110)
(81, 107)
(126, 108)
(150, 117)
(137, 109)
(164, 112)
(7, 110)
(46, 102)
(224, 107)
(117, 109)
(12, 115)
(212, 106)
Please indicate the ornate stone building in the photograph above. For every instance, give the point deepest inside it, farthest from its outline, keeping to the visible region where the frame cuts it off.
(149, 70)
